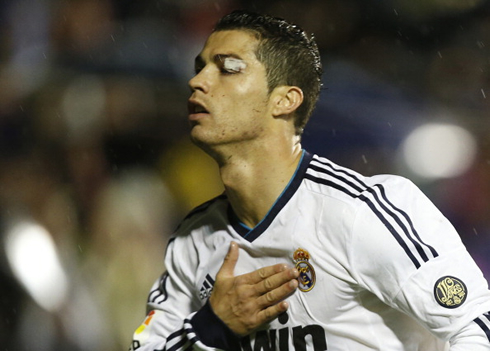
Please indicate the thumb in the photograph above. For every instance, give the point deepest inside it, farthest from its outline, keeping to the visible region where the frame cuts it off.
(228, 267)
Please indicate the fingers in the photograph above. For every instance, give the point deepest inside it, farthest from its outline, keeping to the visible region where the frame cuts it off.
(263, 273)
(228, 267)
(276, 295)
(274, 300)
(247, 301)
(276, 280)
(279, 275)
(271, 313)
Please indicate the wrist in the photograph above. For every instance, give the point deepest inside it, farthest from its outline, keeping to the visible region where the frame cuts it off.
(212, 331)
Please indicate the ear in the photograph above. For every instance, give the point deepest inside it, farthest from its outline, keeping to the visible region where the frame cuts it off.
(286, 100)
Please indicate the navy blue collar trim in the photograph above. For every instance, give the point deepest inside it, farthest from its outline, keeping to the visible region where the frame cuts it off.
(252, 234)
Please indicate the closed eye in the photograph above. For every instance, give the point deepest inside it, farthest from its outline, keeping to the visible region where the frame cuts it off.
(227, 71)
(232, 65)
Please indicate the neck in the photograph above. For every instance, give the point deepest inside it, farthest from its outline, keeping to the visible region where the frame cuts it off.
(254, 180)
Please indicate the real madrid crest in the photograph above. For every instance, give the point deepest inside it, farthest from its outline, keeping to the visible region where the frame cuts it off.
(306, 277)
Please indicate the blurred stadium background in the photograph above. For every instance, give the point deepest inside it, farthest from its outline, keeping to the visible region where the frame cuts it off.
(96, 168)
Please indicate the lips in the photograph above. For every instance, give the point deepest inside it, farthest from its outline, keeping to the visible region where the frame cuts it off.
(196, 109)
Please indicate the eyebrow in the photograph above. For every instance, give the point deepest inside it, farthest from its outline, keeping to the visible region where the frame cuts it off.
(199, 61)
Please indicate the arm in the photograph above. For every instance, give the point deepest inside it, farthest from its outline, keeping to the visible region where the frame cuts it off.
(455, 309)
(475, 336)
(242, 304)
(414, 261)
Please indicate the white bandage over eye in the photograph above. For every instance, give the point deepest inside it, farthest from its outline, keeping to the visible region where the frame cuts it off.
(232, 64)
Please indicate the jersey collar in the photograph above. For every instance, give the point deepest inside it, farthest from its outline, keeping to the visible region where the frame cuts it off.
(251, 234)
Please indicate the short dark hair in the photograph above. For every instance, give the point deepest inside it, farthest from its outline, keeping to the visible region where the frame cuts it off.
(289, 55)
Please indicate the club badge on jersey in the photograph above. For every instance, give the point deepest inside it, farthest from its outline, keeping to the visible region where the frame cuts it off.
(450, 292)
(307, 276)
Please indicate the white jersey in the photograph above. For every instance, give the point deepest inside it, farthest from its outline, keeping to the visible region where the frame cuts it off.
(380, 269)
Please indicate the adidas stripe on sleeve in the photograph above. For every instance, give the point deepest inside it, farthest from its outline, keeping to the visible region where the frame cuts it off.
(408, 254)
(484, 323)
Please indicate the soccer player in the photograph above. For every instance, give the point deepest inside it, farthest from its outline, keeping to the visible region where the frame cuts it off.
(299, 253)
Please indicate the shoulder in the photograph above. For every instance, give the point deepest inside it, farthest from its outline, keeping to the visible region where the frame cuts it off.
(193, 236)
(363, 201)
(214, 208)
(326, 177)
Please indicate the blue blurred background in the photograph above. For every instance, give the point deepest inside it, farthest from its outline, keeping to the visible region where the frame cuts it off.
(96, 168)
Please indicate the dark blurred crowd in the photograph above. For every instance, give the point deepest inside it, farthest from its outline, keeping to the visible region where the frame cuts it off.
(96, 168)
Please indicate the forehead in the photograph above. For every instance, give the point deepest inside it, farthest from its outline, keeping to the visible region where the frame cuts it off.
(239, 43)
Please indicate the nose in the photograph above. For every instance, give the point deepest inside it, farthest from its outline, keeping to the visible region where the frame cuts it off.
(200, 82)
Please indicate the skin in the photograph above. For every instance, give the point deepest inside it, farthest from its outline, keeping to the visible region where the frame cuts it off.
(250, 133)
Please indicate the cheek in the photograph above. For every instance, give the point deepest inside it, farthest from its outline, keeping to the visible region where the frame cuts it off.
(250, 89)
(246, 101)
(254, 101)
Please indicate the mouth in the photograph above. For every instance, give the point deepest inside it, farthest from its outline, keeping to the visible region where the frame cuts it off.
(196, 110)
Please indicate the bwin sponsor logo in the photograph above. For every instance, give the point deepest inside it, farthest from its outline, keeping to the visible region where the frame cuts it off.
(299, 338)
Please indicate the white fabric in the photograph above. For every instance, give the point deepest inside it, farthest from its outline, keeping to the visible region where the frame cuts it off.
(377, 246)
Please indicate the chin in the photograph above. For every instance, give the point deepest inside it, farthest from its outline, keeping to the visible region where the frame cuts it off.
(199, 140)
(206, 146)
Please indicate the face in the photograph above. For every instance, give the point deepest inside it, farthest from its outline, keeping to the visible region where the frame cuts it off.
(230, 103)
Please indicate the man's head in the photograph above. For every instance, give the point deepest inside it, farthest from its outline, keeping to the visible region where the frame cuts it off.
(288, 54)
